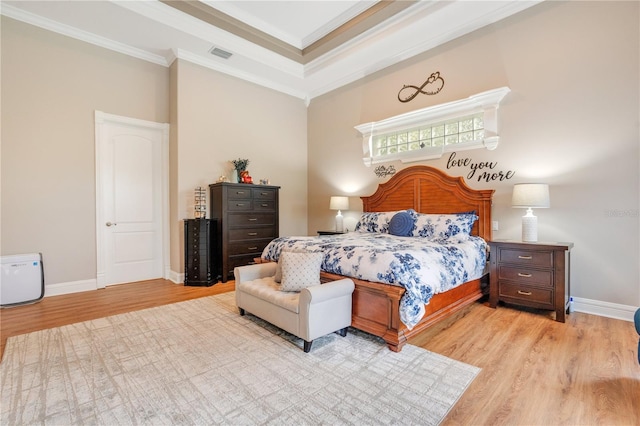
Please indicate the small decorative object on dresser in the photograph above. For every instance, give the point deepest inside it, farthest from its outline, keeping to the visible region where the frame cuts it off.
(247, 221)
(240, 165)
(200, 203)
(533, 274)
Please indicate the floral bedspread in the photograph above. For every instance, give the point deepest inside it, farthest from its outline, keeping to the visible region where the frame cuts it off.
(423, 267)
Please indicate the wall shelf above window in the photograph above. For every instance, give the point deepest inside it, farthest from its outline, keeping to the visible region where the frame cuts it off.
(428, 133)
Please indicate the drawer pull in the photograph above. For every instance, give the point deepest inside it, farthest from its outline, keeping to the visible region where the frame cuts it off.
(524, 293)
(239, 204)
(265, 205)
(252, 248)
(252, 219)
(252, 234)
(264, 193)
(525, 257)
(240, 192)
(520, 274)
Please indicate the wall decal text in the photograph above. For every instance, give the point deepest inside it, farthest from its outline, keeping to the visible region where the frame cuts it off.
(382, 171)
(432, 86)
(485, 169)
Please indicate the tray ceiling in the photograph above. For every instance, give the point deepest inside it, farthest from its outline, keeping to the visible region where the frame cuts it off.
(302, 48)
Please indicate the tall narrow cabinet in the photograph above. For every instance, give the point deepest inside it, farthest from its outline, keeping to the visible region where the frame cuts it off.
(200, 266)
(247, 220)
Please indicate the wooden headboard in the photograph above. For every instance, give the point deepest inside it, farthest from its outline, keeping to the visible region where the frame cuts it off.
(429, 190)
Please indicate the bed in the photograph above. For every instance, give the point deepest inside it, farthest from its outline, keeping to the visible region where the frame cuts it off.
(418, 190)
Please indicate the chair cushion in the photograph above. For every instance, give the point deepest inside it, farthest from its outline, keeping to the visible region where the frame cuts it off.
(269, 291)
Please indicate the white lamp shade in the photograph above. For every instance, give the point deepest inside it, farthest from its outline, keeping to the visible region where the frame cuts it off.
(530, 195)
(339, 203)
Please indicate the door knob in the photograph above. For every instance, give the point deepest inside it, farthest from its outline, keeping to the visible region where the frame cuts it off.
(109, 224)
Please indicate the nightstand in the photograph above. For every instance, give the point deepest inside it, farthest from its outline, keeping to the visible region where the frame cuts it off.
(331, 232)
(530, 274)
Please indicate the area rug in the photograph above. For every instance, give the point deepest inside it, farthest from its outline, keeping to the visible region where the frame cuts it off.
(200, 363)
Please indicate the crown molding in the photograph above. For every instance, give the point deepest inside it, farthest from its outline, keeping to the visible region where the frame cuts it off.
(187, 24)
(420, 27)
(66, 30)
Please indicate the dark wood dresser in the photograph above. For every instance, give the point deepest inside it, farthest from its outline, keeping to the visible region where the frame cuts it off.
(247, 219)
(530, 274)
(200, 268)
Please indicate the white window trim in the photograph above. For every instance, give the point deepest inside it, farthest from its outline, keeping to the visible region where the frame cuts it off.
(485, 102)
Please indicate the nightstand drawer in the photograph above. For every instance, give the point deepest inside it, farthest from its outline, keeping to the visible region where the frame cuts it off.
(526, 276)
(525, 293)
(539, 258)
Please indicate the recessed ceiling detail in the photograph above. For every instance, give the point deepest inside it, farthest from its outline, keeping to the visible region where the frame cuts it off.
(304, 51)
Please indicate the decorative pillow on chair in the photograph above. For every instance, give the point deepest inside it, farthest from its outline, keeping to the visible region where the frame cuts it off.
(300, 269)
(278, 276)
(401, 224)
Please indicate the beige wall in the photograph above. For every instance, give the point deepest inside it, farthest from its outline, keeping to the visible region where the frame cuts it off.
(571, 121)
(219, 118)
(51, 86)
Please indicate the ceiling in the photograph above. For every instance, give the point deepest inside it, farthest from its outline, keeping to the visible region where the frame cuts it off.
(304, 48)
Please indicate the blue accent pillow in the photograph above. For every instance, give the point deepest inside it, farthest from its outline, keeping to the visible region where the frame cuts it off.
(401, 224)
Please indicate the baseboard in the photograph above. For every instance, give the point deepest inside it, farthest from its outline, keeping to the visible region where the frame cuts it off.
(604, 309)
(70, 287)
(88, 285)
(176, 277)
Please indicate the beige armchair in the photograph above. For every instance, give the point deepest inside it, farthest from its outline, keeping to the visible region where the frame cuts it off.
(313, 312)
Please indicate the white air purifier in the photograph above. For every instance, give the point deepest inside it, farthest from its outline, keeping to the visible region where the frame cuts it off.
(22, 279)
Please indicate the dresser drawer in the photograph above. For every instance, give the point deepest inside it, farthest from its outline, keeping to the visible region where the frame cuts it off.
(252, 233)
(240, 204)
(268, 194)
(253, 247)
(526, 276)
(264, 205)
(525, 293)
(540, 258)
(251, 219)
(236, 193)
(238, 261)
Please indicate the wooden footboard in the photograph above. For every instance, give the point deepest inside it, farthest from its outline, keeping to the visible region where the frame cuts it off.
(376, 308)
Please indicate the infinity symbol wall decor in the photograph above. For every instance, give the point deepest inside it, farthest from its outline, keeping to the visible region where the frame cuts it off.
(432, 86)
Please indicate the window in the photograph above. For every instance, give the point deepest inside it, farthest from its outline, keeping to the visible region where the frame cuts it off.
(430, 132)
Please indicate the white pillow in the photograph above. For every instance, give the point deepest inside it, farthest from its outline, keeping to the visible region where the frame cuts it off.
(444, 227)
(300, 270)
(278, 276)
(375, 222)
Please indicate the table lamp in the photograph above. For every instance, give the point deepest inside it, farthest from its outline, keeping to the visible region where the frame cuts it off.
(529, 196)
(339, 203)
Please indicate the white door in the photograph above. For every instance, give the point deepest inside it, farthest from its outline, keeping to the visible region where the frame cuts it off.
(132, 199)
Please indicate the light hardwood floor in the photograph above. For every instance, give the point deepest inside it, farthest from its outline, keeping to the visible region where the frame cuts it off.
(535, 371)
